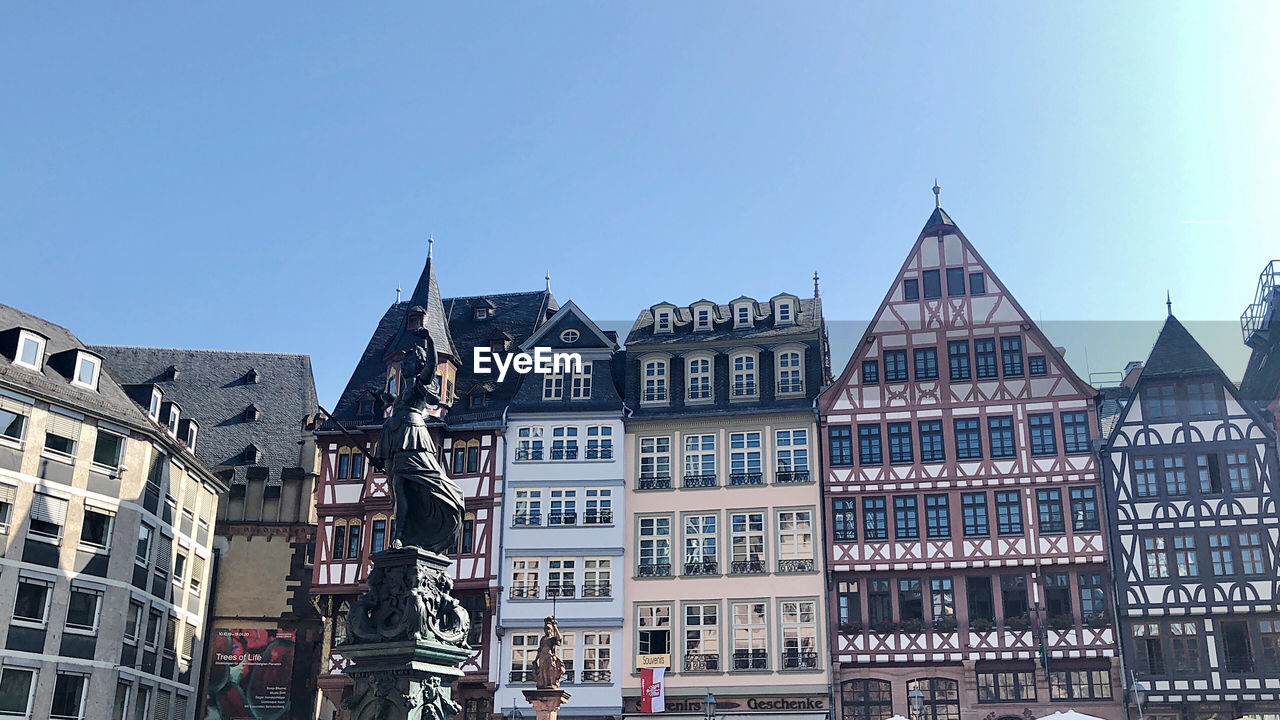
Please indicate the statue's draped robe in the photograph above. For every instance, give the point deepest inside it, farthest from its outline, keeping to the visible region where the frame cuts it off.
(433, 504)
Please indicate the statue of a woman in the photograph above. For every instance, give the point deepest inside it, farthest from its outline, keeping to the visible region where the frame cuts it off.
(548, 668)
(428, 505)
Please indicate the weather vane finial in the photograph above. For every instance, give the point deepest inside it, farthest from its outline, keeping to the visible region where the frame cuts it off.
(815, 283)
(1168, 302)
(937, 194)
(548, 278)
(431, 243)
(397, 293)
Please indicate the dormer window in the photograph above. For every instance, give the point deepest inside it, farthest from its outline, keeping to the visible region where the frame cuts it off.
(478, 399)
(498, 345)
(170, 373)
(366, 406)
(157, 398)
(88, 368)
(393, 384)
(193, 429)
(702, 319)
(663, 322)
(171, 418)
(742, 315)
(252, 454)
(480, 313)
(251, 413)
(251, 377)
(784, 313)
(30, 350)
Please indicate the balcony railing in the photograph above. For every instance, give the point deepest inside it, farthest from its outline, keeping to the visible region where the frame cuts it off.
(747, 567)
(521, 676)
(562, 518)
(597, 676)
(603, 453)
(1239, 664)
(700, 481)
(786, 387)
(791, 476)
(564, 453)
(655, 482)
(702, 567)
(597, 517)
(524, 590)
(745, 389)
(527, 454)
(799, 660)
(700, 393)
(654, 570)
(795, 566)
(567, 677)
(750, 660)
(658, 395)
(561, 590)
(596, 590)
(531, 518)
(701, 662)
(753, 478)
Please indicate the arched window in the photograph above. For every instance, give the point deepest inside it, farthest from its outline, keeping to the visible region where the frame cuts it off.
(700, 381)
(459, 463)
(353, 540)
(339, 548)
(941, 698)
(473, 456)
(866, 700)
(655, 381)
(743, 382)
(378, 534)
(344, 464)
(467, 537)
(790, 369)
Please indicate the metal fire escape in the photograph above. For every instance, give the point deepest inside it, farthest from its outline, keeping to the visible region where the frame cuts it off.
(1257, 319)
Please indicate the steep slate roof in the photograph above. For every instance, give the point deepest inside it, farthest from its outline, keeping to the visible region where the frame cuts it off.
(1176, 354)
(808, 320)
(211, 388)
(426, 294)
(939, 217)
(597, 346)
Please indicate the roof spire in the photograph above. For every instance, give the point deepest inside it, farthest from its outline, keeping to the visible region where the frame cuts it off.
(397, 293)
(431, 243)
(548, 278)
(815, 283)
(1168, 302)
(937, 194)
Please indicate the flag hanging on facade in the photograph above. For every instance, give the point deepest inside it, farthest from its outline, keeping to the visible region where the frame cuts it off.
(652, 690)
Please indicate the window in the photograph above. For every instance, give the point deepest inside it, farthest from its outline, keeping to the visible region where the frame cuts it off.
(599, 442)
(1220, 555)
(353, 540)
(795, 541)
(1057, 594)
(68, 697)
(937, 516)
(562, 577)
(526, 574)
(528, 443)
(932, 284)
(1043, 440)
(910, 600)
(30, 350)
(931, 446)
(1210, 475)
(845, 518)
(82, 609)
(655, 463)
(1080, 684)
(701, 540)
(654, 628)
(895, 366)
(955, 282)
(1011, 356)
(790, 373)
(1008, 512)
(570, 336)
(528, 507)
(1155, 553)
(655, 381)
(742, 315)
(154, 619)
(870, 372)
(879, 603)
(466, 538)
(564, 507)
(663, 323)
(973, 508)
(968, 439)
(339, 539)
(599, 506)
(703, 318)
(977, 284)
(1144, 477)
(746, 542)
(985, 352)
(1093, 597)
(133, 622)
(524, 650)
(1184, 556)
(979, 598)
(552, 387)
(1160, 402)
(1049, 511)
(108, 449)
(564, 443)
(799, 635)
(1202, 398)
(1185, 646)
(48, 515)
(580, 383)
(655, 546)
(144, 544)
(941, 698)
(699, 379)
(1239, 472)
(1075, 432)
(62, 434)
(911, 289)
(866, 699)
(849, 606)
(473, 457)
(1000, 432)
(1007, 686)
(11, 422)
(958, 359)
(31, 606)
(197, 574)
(597, 577)
(1013, 596)
(1175, 475)
(841, 443)
(17, 687)
(869, 450)
(96, 531)
(378, 535)
(792, 450)
(750, 636)
(701, 638)
(1084, 509)
(1036, 365)
(926, 363)
(906, 518)
(745, 464)
(1236, 647)
(942, 599)
(875, 524)
(1251, 557)
(744, 376)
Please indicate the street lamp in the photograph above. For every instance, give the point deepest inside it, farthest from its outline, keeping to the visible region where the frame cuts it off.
(709, 706)
(515, 714)
(1138, 691)
(915, 699)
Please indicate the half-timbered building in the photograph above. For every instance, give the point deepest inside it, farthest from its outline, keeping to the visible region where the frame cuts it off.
(1192, 494)
(962, 500)
(354, 505)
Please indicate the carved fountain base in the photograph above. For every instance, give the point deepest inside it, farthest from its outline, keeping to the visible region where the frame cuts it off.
(546, 703)
(407, 636)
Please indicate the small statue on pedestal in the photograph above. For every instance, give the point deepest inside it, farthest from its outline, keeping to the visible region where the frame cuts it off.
(548, 668)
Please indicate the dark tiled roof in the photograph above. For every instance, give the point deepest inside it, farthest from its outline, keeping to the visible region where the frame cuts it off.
(109, 401)
(808, 321)
(1177, 354)
(211, 387)
(1111, 404)
(426, 294)
(939, 217)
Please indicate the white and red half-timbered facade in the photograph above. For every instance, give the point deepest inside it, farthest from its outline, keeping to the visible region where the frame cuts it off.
(963, 504)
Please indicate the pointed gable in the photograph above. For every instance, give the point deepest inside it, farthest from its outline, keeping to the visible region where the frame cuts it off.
(570, 329)
(1177, 354)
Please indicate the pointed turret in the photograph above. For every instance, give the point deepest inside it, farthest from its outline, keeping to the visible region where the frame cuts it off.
(1177, 354)
(426, 294)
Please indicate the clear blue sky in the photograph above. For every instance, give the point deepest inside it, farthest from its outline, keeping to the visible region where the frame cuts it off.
(260, 176)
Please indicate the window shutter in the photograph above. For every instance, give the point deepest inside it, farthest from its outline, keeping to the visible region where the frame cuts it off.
(189, 641)
(63, 426)
(14, 406)
(180, 707)
(49, 509)
(162, 706)
(197, 568)
(7, 494)
(164, 553)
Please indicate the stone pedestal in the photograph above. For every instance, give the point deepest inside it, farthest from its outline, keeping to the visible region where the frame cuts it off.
(406, 637)
(546, 703)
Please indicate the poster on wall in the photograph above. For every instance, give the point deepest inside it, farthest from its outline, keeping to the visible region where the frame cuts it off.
(249, 674)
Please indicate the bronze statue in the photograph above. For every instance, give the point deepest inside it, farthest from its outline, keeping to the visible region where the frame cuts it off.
(428, 505)
(548, 668)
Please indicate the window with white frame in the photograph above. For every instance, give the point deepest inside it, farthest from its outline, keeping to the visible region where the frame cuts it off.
(598, 506)
(563, 508)
(13, 420)
(795, 540)
(700, 460)
(96, 530)
(525, 577)
(662, 320)
(133, 622)
(599, 442)
(142, 704)
(597, 657)
(155, 620)
(597, 577)
(699, 379)
(48, 516)
(17, 689)
(83, 609)
(197, 573)
(742, 315)
(61, 436)
(793, 455)
(31, 604)
(68, 696)
(655, 462)
(528, 443)
(145, 534)
(175, 413)
(799, 634)
(785, 314)
(790, 372)
(157, 398)
(745, 458)
(702, 317)
(564, 442)
(30, 350)
(701, 544)
(746, 541)
(552, 387)
(750, 635)
(108, 449)
(580, 388)
(655, 381)
(528, 507)
(744, 376)
(568, 652)
(88, 368)
(524, 650)
(8, 494)
(562, 577)
(653, 629)
(702, 637)
(655, 546)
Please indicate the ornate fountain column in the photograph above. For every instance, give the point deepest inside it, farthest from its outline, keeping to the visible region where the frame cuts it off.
(548, 668)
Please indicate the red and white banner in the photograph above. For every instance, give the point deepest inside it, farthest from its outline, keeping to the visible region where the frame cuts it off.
(653, 690)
